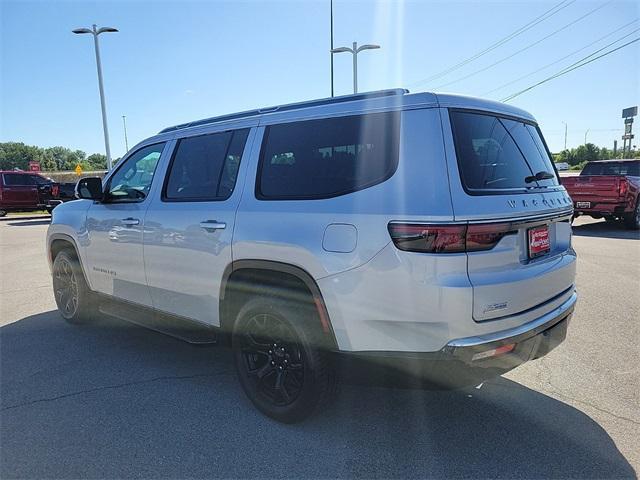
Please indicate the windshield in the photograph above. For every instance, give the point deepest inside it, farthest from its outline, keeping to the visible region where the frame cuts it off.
(497, 153)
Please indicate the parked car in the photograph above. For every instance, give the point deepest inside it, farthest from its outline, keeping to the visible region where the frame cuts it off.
(562, 166)
(27, 191)
(418, 235)
(608, 189)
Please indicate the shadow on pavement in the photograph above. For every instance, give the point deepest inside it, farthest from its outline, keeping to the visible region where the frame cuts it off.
(113, 400)
(29, 223)
(605, 229)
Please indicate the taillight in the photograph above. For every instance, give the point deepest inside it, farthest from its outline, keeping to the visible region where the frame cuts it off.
(54, 190)
(623, 187)
(415, 237)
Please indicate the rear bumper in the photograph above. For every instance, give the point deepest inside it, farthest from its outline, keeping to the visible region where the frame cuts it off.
(602, 208)
(461, 361)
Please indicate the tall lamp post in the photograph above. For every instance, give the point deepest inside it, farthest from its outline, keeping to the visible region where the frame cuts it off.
(585, 136)
(565, 135)
(126, 141)
(355, 50)
(95, 32)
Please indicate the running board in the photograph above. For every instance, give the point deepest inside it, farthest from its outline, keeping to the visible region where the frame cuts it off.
(178, 327)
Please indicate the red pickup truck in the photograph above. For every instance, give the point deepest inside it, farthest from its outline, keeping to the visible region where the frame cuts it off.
(607, 189)
(27, 191)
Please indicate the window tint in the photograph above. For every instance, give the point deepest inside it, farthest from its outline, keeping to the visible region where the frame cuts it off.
(496, 153)
(132, 181)
(612, 168)
(17, 179)
(329, 157)
(206, 167)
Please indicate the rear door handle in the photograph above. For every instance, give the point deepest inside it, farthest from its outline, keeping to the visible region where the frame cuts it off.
(130, 222)
(211, 225)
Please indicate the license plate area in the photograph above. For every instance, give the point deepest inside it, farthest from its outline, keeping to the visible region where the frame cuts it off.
(583, 204)
(538, 241)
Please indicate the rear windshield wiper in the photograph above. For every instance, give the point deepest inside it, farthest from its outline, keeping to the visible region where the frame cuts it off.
(539, 176)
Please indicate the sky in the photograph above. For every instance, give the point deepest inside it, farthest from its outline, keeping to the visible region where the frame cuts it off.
(177, 61)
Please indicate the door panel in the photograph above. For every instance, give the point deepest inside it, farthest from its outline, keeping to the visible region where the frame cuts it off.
(115, 228)
(189, 227)
(19, 191)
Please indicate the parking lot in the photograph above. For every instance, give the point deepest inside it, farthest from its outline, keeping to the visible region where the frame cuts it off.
(112, 400)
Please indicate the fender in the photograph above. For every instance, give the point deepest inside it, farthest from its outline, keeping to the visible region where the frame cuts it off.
(67, 238)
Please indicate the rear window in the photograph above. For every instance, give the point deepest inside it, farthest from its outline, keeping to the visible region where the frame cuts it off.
(612, 168)
(496, 153)
(17, 179)
(329, 157)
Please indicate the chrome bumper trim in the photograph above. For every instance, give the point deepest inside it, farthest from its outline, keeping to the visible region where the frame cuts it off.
(534, 325)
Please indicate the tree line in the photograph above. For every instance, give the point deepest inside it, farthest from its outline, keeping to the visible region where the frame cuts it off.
(18, 155)
(589, 152)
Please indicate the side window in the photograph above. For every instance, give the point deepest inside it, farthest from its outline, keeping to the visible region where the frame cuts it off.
(329, 157)
(38, 180)
(16, 179)
(132, 181)
(205, 167)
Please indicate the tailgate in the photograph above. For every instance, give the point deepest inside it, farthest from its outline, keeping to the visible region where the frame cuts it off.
(592, 188)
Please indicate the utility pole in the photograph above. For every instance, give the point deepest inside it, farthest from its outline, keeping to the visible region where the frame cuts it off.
(565, 135)
(585, 136)
(331, 51)
(124, 124)
(95, 32)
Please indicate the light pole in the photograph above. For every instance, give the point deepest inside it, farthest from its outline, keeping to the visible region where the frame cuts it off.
(355, 50)
(126, 142)
(585, 136)
(95, 32)
(565, 135)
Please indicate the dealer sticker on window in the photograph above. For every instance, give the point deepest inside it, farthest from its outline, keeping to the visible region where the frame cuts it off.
(539, 241)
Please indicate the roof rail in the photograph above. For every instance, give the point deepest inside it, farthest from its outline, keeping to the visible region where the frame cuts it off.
(290, 106)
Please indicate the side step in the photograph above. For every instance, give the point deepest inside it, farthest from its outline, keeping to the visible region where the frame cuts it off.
(178, 327)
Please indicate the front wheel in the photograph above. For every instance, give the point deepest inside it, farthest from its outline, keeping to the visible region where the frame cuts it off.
(632, 220)
(74, 299)
(280, 364)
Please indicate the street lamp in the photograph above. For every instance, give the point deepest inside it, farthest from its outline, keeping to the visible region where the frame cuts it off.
(565, 135)
(95, 32)
(355, 50)
(585, 136)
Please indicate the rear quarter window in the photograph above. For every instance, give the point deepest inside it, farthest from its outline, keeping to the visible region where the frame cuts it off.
(496, 153)
(325, 158)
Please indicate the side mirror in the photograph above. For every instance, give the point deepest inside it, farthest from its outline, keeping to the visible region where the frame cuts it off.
(89, 188)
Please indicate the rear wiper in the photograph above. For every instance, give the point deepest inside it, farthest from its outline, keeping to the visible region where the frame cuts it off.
(539, 176)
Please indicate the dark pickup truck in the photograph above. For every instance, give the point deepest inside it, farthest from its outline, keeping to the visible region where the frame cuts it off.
(29, 191)
(607, 189)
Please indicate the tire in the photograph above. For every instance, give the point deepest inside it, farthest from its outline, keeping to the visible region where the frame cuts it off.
(610, 219)
(280, 365)
(632, 220)
(76, 303)
(2, 213)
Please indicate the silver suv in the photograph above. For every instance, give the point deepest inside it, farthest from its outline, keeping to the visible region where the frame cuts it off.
(419, 235)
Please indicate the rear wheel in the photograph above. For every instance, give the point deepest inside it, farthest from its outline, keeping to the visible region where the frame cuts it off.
(74, 299)
(2, 212)
(632, 220)
(280, 364)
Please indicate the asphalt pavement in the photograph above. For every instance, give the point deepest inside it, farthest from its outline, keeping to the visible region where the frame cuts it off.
(112, 400)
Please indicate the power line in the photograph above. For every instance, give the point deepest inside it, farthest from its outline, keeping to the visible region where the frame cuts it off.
(570, 68)
(549, 13)
(525, 48)
(566, 56)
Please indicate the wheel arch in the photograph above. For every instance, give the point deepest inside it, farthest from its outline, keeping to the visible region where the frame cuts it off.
(242, 278)
(60, 241)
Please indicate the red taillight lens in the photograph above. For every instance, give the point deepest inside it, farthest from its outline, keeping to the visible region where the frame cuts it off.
(428, 238)
(486, 236)
(623, 187)
(414, 237)
(54, 190)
